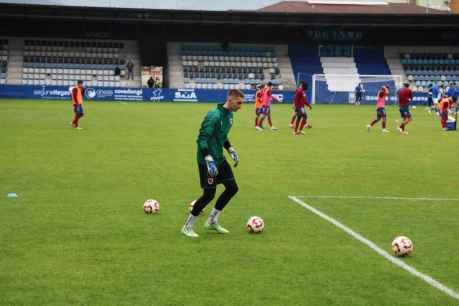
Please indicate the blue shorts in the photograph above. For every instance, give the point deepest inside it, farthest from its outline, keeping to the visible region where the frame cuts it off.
(444, 115)
(258, 111)
(78, 109)
(405, 112)
(380, 112)
(265, 110)
(300, 112)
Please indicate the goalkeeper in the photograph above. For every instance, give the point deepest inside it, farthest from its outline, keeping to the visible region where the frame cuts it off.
(213, 167)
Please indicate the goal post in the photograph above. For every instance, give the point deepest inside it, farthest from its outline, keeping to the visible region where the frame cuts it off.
(340, 88)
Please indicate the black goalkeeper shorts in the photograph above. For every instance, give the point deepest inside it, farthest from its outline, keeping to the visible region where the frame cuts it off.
(225, 173)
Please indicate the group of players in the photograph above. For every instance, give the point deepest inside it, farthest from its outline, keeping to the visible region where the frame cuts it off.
(213, 138)
(264, 98)
(443, 105)
(405, 95)
(442, 100)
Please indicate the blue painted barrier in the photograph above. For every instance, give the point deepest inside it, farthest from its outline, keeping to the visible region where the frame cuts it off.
(129, 94)
(167, 94)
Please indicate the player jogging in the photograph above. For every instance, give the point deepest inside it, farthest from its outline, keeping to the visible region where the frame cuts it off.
(405, 95)
(300, 103)
(258, 103)
(213, 167)
(380, 109)
(77, 94)
(266, 108)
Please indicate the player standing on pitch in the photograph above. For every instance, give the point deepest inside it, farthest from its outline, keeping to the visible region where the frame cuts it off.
(258, 103)
(213, 167)
(435, 98)
(358, 94)
(380, 108)
(266, 108)
(77, 95)
(300, 103)
(405, 95)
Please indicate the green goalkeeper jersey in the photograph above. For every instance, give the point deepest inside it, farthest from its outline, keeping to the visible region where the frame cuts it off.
(214, 133)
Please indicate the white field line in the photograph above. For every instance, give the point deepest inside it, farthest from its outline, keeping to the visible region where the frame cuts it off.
(374, 198)
(396, 261)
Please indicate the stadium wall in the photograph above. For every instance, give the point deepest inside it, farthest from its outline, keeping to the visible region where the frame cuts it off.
(161, 94)
(130, 94)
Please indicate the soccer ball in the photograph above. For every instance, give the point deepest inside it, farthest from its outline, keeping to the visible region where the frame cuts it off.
(402, 246)
(151, 206)
(191, 205)
(255, 224)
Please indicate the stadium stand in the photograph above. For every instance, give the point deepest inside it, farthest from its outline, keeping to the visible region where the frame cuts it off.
(212, 66)
(423, 66)
(3, 60)
(334, 67)
(364, 61)
(305, 62)
(63, 61)
(371, 61)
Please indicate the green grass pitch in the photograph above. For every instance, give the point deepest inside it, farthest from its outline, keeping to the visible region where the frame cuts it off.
(77, 234)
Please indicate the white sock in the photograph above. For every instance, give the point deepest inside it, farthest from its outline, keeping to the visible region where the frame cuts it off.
(189, 221)
(213, 216)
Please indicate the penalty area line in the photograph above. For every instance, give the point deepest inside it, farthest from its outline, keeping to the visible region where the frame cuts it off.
(344, 197)
(396, 261)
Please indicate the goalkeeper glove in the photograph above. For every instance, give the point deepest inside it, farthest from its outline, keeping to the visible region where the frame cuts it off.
(212, 169)
(234, 156)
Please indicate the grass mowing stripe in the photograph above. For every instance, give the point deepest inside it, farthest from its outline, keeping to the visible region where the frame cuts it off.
(396, 261)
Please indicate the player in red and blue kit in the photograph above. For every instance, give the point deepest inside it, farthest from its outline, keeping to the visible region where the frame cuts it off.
(77, 94)
(405, 95)
(300, 103)
(380, 109)
(446, 105)
(258, 103)
(266, 108)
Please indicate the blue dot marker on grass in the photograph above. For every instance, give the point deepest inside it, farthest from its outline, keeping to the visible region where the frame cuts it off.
(12, 195)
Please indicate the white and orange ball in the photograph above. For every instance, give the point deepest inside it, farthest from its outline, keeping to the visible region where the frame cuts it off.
(402, 246)
(151, 206)
(255, 224)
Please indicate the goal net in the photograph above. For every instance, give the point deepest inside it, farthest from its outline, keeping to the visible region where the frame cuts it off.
(341, 88)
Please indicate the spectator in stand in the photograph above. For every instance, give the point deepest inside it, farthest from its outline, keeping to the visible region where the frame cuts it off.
(151, 82)
(130, 69)
(158, 83)
(117, 71)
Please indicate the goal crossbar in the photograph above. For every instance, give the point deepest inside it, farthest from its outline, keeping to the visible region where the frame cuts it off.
(342, 86)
